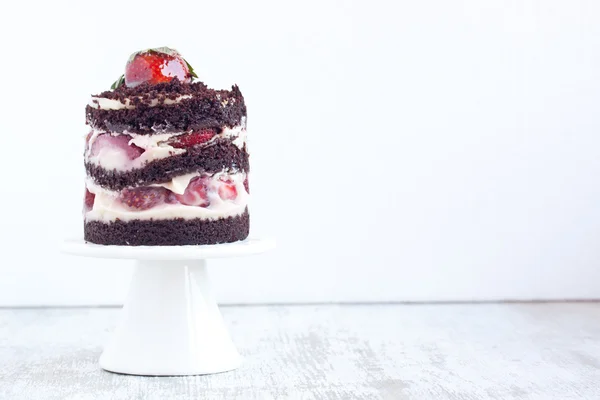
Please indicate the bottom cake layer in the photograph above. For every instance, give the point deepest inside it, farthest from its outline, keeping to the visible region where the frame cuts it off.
(168, 232)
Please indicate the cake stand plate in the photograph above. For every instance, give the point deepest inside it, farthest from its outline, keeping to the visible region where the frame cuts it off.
(170, 323)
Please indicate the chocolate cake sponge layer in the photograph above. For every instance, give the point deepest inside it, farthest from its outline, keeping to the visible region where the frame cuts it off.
(211, 159)
(207, 108)
(169, 232)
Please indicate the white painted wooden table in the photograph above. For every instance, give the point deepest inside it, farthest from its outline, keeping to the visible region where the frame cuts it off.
(480, 351)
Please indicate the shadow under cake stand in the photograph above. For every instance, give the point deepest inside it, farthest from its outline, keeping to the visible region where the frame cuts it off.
(170, 323)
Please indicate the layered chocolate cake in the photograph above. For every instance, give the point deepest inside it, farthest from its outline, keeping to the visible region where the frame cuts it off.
(166, 158)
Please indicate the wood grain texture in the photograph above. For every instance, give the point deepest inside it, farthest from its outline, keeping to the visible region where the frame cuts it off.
(502, 351)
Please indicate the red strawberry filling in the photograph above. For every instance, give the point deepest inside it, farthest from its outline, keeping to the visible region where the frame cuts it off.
(145, 198)
(119, 143)
(191, 139)
(226, 189)
(88, 200)
(197, 194)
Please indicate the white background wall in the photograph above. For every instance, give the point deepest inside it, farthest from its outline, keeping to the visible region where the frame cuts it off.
(401, 150)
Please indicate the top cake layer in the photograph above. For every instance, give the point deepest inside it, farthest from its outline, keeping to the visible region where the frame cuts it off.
(165, 108)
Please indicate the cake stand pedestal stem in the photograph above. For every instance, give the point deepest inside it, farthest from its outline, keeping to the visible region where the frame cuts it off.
(170, 324)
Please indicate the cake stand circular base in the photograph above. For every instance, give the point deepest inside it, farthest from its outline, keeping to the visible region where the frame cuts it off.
(170, 323)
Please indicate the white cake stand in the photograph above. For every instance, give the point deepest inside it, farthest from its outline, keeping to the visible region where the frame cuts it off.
(170, 323)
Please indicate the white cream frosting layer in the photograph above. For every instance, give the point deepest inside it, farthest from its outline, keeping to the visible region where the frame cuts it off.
(155, 148)
(108, 208)
(112, 104)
